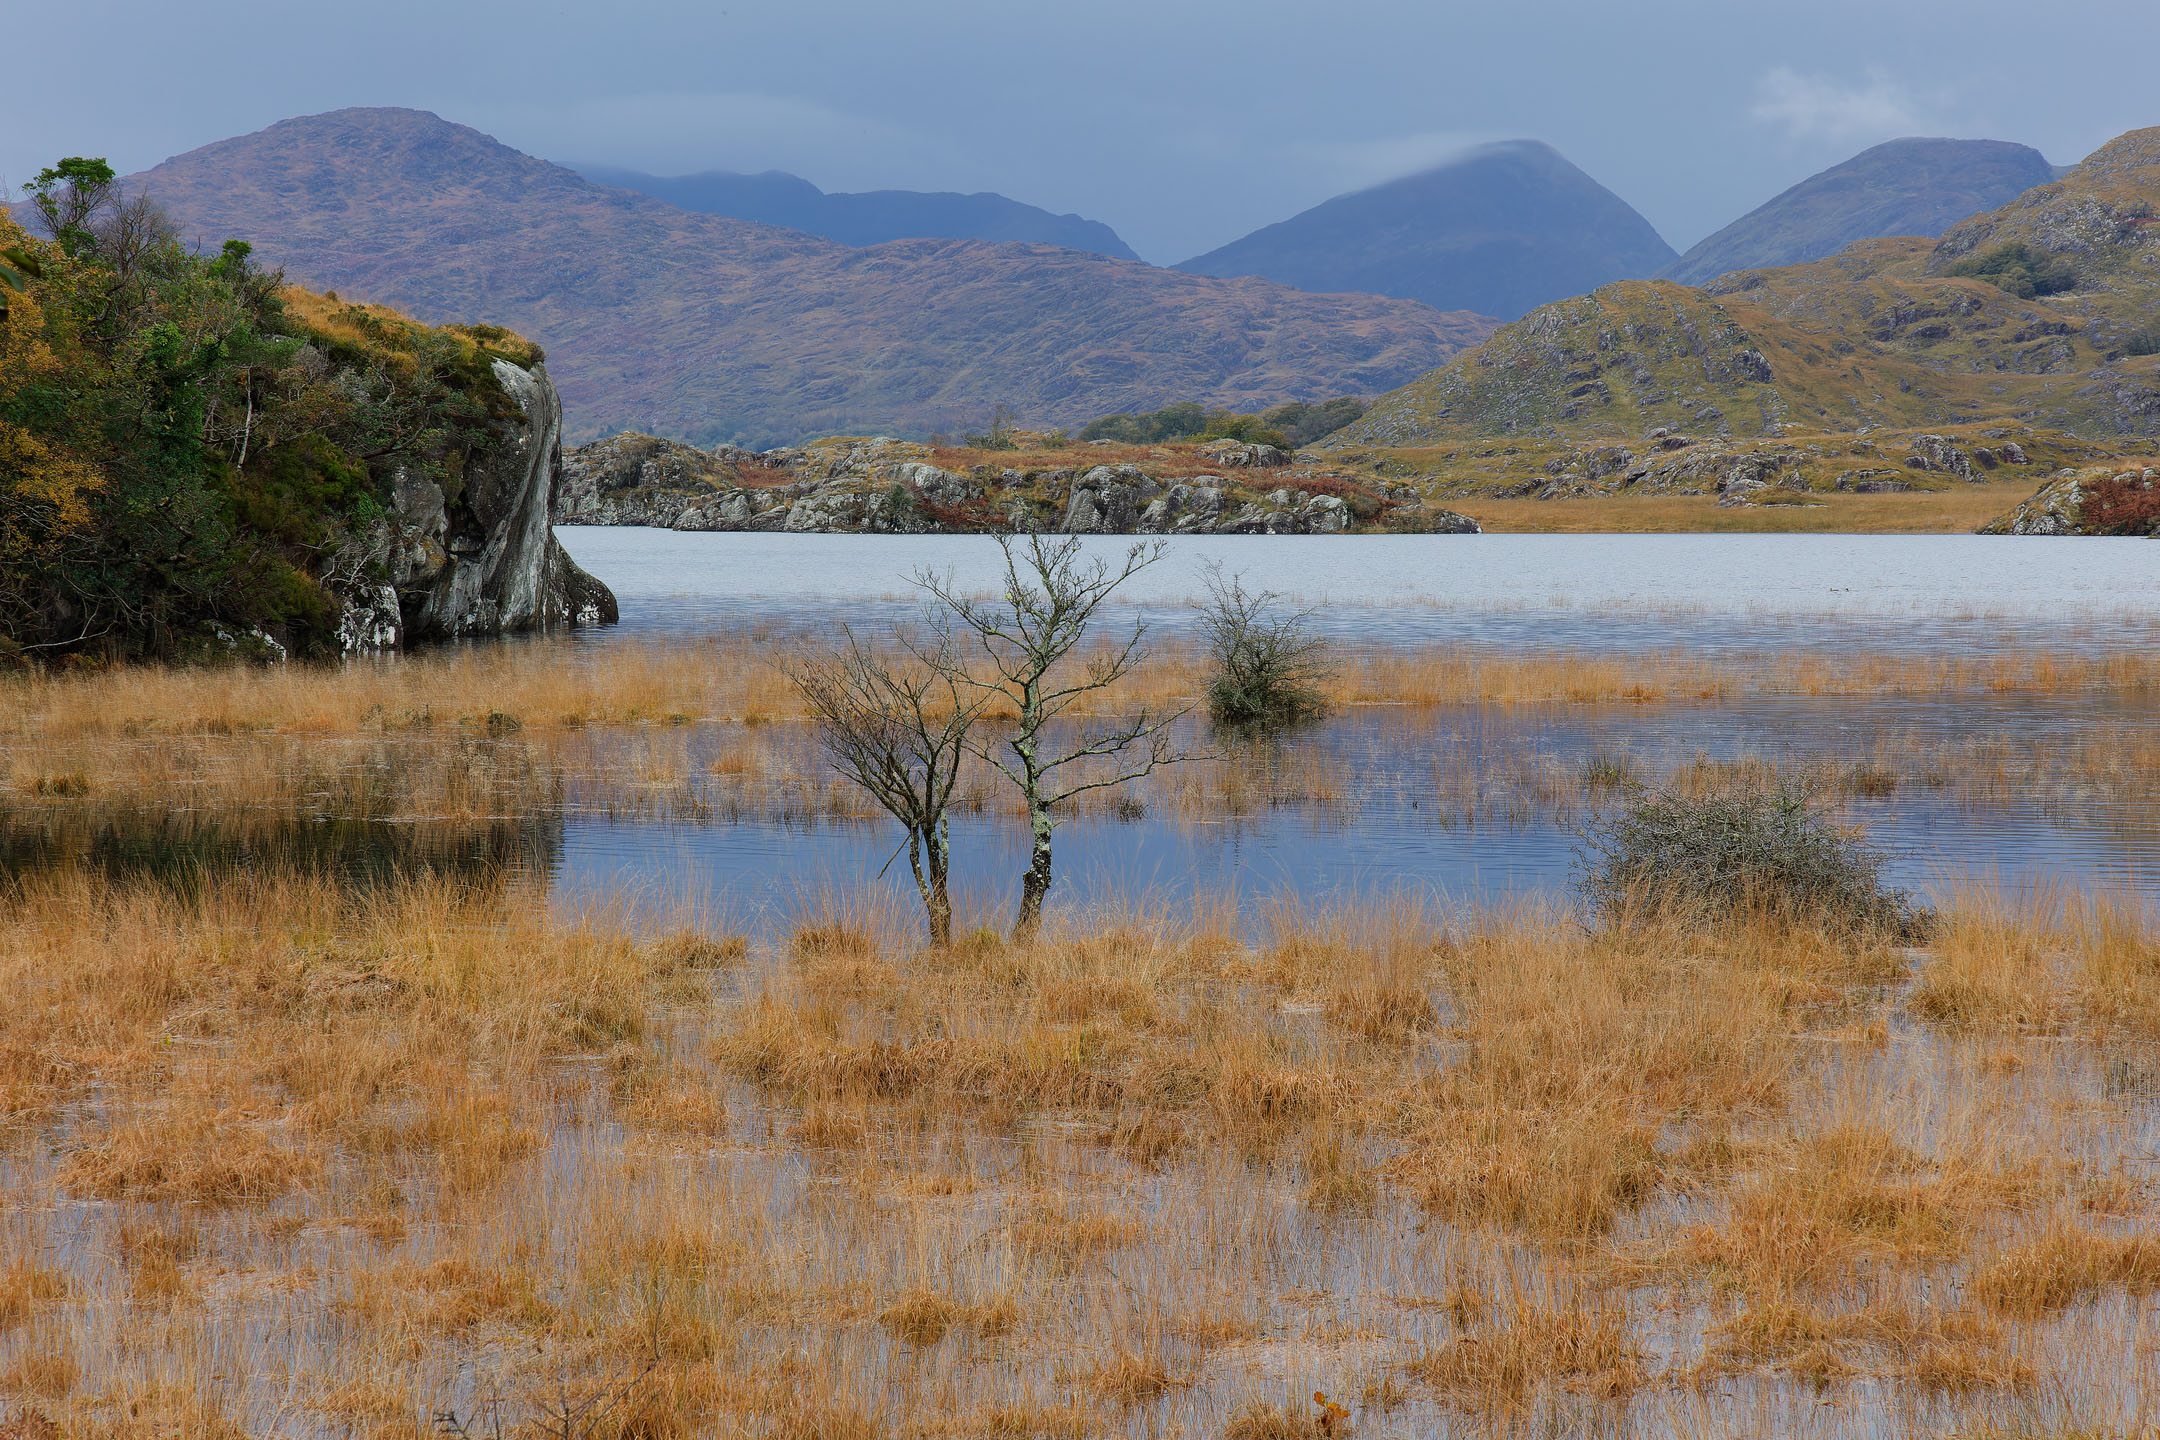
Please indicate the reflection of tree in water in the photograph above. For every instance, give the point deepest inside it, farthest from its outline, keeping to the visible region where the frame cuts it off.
(185, 847)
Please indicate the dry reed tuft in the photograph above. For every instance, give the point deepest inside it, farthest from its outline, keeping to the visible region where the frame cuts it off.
(24, 1285)
(1529, 1343)
(2066, 1265)
(1992, 964)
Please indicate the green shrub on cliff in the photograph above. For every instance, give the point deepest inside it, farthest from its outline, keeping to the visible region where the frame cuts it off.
(1286, 426)
(2019, 269)
(187, 444)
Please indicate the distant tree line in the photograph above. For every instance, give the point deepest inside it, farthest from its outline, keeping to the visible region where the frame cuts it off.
(192, 454)
(1286, 426)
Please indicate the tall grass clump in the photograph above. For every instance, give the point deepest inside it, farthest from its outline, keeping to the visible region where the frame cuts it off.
(1764, 847)
(1269, 669)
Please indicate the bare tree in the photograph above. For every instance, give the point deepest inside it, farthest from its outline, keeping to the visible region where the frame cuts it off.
(897, 725)
(1026, 638)
(130, 232)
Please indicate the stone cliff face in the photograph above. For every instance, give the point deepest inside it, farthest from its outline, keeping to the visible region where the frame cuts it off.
(485, 560)
(885, 486)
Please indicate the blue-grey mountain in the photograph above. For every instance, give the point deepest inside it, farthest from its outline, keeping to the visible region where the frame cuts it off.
(871, 217)
(1500, 229)
(1901, 187)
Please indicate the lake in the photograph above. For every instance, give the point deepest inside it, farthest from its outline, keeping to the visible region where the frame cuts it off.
(1718, 592)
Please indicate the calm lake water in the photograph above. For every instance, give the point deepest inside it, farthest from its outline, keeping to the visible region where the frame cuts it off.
(1714, 592)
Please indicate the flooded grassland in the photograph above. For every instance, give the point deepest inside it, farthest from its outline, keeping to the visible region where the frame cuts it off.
(522, 1039)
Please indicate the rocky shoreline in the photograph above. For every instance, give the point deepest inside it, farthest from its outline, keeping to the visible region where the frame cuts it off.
(885, 486)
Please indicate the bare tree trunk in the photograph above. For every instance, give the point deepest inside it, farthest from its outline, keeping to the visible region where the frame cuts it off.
(247, 431)
(1034, 885)
(938, 902)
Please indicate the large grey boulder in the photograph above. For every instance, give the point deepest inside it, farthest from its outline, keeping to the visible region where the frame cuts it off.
(1186, 506)
(1936, 453)
(1109, 500)
(485, 560)
(1239, 455)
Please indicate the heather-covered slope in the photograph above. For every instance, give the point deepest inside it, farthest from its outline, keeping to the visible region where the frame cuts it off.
(1901, 187)
(2042, 311)
(869, 217)
(1498, 230)
(713, 329)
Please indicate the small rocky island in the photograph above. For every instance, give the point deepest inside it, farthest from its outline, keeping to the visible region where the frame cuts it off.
(896, 487)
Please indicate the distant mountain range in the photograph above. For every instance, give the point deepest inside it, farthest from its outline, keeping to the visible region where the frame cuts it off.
(710, 329)
(2042, 310)
(760, 310)
(1500, 230)
(1902, 187)
(870, 217)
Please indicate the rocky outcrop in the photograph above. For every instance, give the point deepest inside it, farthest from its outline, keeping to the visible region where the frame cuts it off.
(1109, 500)
(1933, 452)
(2060, 507)
(484, 560)
(1744, 472)
(1239, 455)
(886, 486)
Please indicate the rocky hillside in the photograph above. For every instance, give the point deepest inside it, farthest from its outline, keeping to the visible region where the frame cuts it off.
(2040, 312)
(1499, 230)
(1901, 187)
(2098, 227)
(870, 217)
(1735, 471)
(723, 330)
(886, 486)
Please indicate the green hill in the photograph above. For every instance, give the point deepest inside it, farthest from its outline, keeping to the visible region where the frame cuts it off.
(1901, 187)
(2041, 311)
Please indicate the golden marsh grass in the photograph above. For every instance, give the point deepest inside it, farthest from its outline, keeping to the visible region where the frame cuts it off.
(282, 1158)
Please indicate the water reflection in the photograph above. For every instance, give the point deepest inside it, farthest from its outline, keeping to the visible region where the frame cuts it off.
(189, 848)
(1475, 803)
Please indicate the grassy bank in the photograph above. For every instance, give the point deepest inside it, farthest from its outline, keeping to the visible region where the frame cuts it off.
(1957, 511)
(565, 685)
(285, 1159)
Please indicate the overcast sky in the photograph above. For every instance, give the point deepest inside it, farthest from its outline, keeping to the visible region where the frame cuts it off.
(1183, 123)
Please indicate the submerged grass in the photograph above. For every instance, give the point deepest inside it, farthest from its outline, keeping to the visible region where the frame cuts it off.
(284, 1155)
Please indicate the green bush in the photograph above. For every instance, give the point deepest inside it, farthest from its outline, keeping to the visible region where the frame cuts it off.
(1268, 665)
(2018, 268)
(1173, 422)
(1286, 427)
(1768, 847)
(185, 453)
